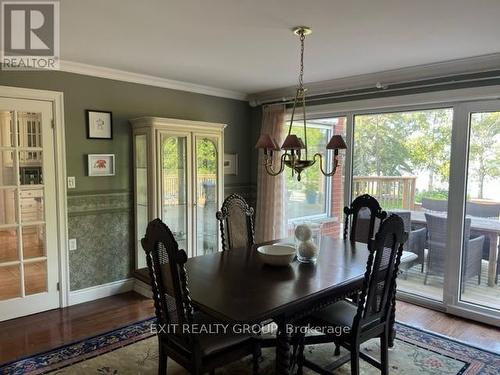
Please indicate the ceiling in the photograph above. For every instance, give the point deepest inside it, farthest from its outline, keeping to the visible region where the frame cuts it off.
(247, 46)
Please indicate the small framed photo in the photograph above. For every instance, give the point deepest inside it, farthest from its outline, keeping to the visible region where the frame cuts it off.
(99, 124)
(231, 164)
(101, 164)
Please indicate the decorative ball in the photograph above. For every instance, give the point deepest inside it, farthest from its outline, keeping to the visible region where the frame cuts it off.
(307, 249)
(303, 232)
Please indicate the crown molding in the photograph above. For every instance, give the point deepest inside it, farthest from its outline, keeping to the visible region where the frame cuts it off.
(144, 79)
(384, 78)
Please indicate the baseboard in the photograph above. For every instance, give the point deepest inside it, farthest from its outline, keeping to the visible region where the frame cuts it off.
(143, 289)
(101, 291)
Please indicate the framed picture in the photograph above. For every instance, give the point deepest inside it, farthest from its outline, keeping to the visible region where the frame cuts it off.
(101, 164)
(231, 164)
(99, 124)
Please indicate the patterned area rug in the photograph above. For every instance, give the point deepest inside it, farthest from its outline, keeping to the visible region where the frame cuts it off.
(132, 350)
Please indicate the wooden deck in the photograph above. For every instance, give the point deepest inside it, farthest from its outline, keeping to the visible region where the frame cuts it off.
(413, 282)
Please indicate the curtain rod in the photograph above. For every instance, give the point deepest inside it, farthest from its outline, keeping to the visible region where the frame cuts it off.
(480, 78)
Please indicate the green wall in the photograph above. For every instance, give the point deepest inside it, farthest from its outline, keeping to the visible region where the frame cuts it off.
(126, 101)
(100, 209)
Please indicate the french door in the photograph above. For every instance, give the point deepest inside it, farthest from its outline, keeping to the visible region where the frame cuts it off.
(28, 224)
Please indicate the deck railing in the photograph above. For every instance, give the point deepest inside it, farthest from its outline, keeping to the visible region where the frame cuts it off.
(171, 188)
(390, 191)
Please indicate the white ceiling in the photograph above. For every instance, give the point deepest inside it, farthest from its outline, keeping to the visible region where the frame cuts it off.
(246, 45)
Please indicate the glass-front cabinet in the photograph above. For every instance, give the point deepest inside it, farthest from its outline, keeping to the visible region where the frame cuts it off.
(178, 177)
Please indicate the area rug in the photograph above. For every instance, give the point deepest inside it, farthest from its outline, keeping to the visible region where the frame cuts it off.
(132, 350)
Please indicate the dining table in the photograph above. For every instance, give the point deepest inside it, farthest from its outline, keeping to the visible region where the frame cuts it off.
(235, 286)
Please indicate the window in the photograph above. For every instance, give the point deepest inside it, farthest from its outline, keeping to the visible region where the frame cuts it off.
(316, 197)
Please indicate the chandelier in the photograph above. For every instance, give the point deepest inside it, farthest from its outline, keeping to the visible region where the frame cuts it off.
(296, 154)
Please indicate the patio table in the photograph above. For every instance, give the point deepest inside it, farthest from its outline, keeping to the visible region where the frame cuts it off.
(235, 287)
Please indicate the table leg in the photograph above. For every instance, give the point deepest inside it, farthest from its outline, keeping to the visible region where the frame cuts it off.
(492, 259)
(282, 349)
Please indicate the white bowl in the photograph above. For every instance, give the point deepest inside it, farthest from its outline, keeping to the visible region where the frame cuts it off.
(276, 255)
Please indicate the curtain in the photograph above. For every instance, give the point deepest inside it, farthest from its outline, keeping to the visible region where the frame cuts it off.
(269, 223)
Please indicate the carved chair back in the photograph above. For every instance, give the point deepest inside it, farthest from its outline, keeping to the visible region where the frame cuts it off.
(236, 223)
(168, 276)
(366, 215)
(379, 284)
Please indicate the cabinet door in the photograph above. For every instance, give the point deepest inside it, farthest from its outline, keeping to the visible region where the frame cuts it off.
(175, 190)
(206, 190)
(141, 195)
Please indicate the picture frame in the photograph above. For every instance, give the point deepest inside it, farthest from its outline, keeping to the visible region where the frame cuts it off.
(99, 124)
(101, 165)
(231, 164)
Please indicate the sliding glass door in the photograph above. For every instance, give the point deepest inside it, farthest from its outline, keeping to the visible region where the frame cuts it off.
(402, 159)
(479, 287)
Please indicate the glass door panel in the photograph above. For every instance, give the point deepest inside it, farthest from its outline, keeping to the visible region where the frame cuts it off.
(402, 159)
(207, 235)
(480, 259)
(174, 192)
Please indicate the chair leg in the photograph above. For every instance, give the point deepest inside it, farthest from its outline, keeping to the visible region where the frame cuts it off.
(162, 361)
(384, 353)
(337, 349)
(255, 358)
(300, 357)
(355, 359)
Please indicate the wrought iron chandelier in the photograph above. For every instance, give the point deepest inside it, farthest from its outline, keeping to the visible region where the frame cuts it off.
(296, 154)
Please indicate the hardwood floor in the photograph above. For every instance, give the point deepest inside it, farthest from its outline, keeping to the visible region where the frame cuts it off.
(40, 332)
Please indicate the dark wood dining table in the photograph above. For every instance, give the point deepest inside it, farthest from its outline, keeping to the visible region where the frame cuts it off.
(236, 287)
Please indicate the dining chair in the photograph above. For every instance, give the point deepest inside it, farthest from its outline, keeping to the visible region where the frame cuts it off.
(437, 249)
(366, 216)
(236, 223)
(198, 353)
(371, 317)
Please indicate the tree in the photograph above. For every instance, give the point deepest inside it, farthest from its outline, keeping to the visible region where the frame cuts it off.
(484, 148)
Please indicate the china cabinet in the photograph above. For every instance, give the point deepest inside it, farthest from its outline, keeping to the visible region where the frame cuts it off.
(178, 177)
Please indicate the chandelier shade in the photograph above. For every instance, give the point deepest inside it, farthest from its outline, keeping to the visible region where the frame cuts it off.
(295, 156)
(336, 142)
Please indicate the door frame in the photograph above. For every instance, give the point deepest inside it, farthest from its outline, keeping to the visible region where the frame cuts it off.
(56, 98)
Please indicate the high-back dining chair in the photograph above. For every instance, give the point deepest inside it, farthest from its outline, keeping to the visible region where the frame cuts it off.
(371, 316)
(236, 223)
(366, 216)
(437, 248)
(198, 353)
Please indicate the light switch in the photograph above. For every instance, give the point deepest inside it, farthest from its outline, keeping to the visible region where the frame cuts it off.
(71, 182)
(72, 244)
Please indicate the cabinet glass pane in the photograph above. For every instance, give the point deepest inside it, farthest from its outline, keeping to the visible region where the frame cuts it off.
(10, 282)
(480, 279)
(8, 248)
(206, 196)
(35, 277)
(174, 186)
(141, 181)
(32, 205)
(8, 206)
